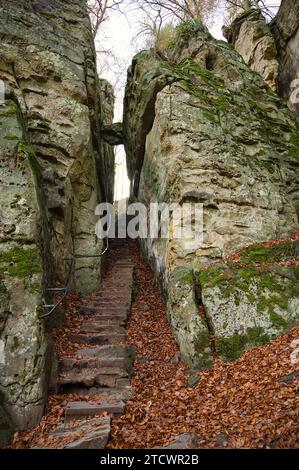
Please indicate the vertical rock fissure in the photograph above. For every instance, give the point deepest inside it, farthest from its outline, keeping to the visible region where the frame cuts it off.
(203, 314)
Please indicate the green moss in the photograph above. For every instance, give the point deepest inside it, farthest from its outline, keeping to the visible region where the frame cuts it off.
(24, 147)
(186, 30)
(277, 320)
(34, 288)
(11, 137)
(232, 347)
(230, 281)
(20, 262)
(47, 15)
(267, 289)
(202, 344)
(295, 139)
(10, 108)
(223, 44)
(259, 254)
(183, 276)
(211, 277)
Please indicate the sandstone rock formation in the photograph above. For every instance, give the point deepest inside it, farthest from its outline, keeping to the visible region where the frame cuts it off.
(23, 345)
(200, 126)
(285, 29)
(54, 171)
(252, 38)
(271, 49)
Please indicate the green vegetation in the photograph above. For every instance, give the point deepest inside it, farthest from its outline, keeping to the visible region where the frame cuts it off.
(20, 262)
(268, 288)
(187, 29)
(259, 254)
(183, 275)
(231, 348)
(11, 137)
(164, 38)
(10, 108)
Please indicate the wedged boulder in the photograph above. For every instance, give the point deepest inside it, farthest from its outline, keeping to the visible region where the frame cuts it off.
(113, 134)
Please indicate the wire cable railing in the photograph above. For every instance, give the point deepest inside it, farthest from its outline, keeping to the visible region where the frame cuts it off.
(71, 271)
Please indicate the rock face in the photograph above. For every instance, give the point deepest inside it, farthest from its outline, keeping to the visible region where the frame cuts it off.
(209, 130)
(23, 345)
(271, 50)
(48, 58)
(285, 29)
(106, 106)
(252, 38)
(54, 170)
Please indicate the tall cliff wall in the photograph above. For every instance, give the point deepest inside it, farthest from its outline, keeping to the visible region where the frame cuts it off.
(200, 126)
(54, 170)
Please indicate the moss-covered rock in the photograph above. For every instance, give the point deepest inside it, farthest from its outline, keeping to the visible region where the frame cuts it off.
(200, 126)
(190, 329)
(248, 306)
(23, 384)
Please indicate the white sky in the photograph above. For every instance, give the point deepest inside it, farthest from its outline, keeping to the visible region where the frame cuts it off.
(118, 35)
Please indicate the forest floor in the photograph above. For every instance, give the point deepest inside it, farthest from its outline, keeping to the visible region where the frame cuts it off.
(249, 403)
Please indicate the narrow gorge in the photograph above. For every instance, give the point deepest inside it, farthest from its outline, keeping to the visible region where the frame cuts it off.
(98, 334)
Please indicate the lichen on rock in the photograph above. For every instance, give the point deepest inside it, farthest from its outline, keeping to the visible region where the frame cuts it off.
(200, 126)
(55, 169)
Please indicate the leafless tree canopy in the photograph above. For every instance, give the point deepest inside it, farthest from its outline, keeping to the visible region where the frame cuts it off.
(99, 11)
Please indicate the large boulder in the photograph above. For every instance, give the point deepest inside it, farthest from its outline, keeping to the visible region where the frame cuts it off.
(215, 134)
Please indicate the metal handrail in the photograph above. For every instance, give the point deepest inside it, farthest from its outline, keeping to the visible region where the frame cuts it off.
(66, 287)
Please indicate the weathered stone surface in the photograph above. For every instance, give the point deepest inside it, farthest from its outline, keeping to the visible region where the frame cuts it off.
(217, 136)
(102, 366)
(23, 344)
(90, 434)
(113, 134)
(252, 38)
(285, 29)
(106, 106)
(48, 58)
(83, 409)
(54, 170)
(248, 306)
(271, 50)
(188, 440)
(95, 436)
